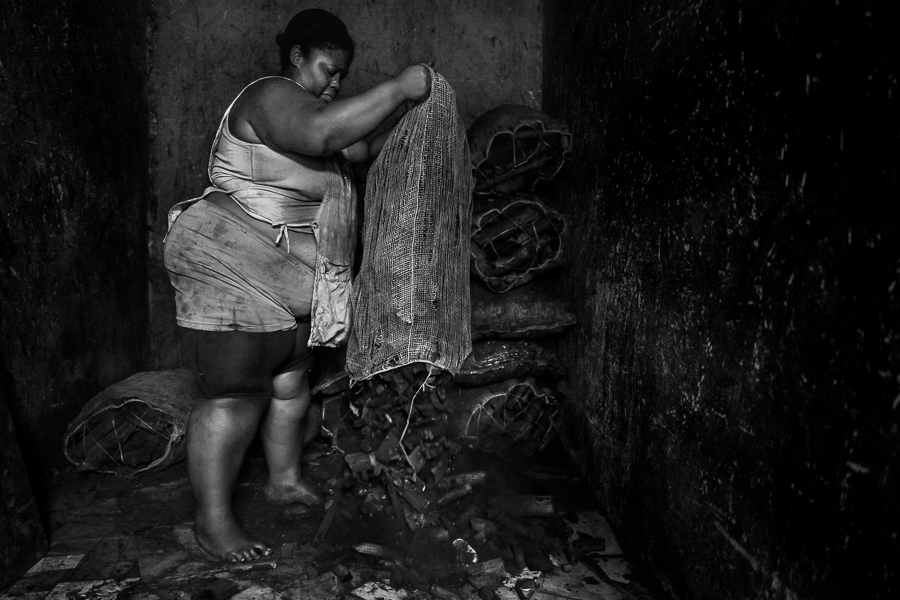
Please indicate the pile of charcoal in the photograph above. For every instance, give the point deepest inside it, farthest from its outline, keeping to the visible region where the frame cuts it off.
(399, 430)
(395, 434)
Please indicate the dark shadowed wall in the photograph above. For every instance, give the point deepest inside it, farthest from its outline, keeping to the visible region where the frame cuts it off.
(204, 53)
(22, 538)
(735, 257)
(73, 252)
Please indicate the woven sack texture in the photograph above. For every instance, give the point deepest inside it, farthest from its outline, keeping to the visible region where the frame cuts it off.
(134, 425)
(513, 415)
(514, 239)
(411, 299)
(536, 310)
(493, 361)
(514, 147)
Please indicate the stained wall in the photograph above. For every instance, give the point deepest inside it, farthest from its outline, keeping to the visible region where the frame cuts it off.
(734, 375)
(73, 201)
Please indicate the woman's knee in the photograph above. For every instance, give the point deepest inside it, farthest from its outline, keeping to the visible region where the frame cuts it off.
(293, 379)
(291, 410)
(291, 385)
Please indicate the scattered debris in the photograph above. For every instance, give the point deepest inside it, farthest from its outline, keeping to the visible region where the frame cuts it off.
(617, 569)
(153, 566)
(380, 551)
(220, 589)
(399, 525)
(523, 505)
(591, 527)
(331, 510)
(56, 563)
(489, 573)
(525, 587)
(376, 590)
(259, 592)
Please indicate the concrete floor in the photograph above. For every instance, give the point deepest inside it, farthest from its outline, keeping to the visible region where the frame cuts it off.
(121, 539)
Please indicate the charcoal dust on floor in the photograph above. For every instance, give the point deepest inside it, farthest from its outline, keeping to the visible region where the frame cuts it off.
(520, 529)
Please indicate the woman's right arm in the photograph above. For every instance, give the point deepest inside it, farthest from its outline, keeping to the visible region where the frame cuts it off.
(288, 118)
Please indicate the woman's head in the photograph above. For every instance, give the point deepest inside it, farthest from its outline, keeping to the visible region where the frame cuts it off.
(314, 30)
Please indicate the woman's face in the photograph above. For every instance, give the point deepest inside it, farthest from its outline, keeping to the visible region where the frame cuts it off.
(322, 72)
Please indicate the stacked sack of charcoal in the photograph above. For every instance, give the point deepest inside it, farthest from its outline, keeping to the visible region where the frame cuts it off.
(505, 395)
(516, 231)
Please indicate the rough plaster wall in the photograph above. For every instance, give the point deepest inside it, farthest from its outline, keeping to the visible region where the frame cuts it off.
(204, 53)
(72, 210)
(734, 373)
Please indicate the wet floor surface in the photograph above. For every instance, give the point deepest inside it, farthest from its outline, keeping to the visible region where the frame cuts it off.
(526, 529)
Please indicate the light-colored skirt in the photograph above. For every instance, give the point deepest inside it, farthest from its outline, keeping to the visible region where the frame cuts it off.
(229, 277)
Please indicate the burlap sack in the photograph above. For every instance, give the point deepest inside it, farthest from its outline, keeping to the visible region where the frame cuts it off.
(514, 239)
(411, 299)
(513, 415)
(135, 425)
(531, 311)
(493, 361)
(514, 147)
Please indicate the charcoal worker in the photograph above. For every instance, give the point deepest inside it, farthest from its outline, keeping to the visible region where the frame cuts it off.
(261, 266)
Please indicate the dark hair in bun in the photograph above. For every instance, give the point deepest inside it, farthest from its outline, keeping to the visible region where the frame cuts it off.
(313, 29)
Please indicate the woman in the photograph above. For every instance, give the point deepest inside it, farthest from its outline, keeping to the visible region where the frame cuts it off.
(261, 266)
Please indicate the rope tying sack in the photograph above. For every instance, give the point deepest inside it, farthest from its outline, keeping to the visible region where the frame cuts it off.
(411, 299)
(515, 147)
(513, 415)
(514, 239)
(134, 425)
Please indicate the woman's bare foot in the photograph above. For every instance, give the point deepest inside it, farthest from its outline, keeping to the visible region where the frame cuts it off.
(300, 491)
(226, 540)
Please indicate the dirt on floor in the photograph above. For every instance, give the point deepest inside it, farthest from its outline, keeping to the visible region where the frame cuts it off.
(524, 528)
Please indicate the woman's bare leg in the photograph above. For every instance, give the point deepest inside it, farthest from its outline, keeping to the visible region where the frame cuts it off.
(218, 434)
(283, 431)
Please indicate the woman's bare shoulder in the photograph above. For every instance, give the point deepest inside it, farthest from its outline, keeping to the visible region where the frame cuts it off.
(266, 100)
(269, 92)
(275, 88)
(268, 110)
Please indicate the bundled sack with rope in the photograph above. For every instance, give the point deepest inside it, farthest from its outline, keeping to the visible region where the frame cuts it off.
(135, 425)
(515, 239)
(411, 299)
(514, 147)
(493, 361)
(514, 415)
(536, 310)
